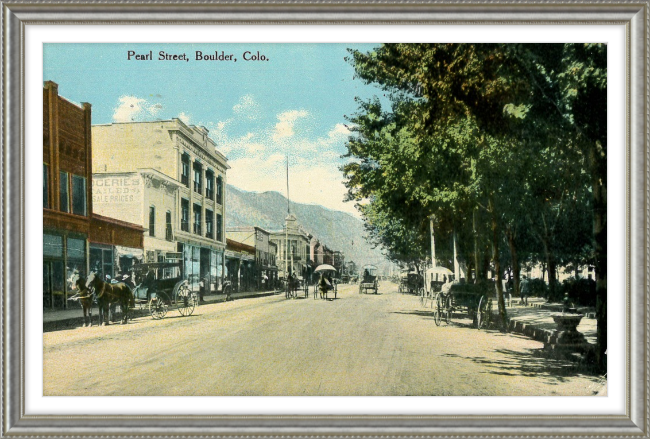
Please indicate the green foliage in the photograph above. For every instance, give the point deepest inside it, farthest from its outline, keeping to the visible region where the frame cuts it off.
(503, 143)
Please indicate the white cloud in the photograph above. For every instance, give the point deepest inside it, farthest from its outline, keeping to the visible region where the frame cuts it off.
(184, 117)
(134, 109)
(247, 107)
(284, 128)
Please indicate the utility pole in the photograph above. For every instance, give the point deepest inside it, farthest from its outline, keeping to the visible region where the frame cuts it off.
(286, 233)
(433, 241)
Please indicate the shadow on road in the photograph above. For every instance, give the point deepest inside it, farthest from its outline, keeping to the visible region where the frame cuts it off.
(529, 363)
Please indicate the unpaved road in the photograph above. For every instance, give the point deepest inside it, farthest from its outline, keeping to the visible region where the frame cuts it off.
(384, 344)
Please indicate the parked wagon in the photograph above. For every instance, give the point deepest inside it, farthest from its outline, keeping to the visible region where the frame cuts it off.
(473, 299)
(434, 279)
(411, 283)
(369, 280)
(161, 286)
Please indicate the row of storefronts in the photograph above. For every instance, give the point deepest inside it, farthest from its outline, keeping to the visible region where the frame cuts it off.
(123, 194)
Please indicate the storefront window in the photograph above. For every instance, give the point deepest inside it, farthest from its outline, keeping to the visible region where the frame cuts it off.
(76, 249)
(192, 259)
(52, 245)
(76, 262)
(101, 261)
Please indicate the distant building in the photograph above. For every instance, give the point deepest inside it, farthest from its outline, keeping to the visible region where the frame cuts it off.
(296, 240)
(240, 265)
(266, 271)
(181, 179)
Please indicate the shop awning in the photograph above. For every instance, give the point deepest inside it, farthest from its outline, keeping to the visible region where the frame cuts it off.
(127, 252)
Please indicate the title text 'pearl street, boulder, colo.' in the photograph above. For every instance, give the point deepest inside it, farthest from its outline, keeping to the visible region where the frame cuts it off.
(216, 55)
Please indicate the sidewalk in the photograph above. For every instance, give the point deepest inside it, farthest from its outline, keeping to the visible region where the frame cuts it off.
(56, 319)
(536, 321)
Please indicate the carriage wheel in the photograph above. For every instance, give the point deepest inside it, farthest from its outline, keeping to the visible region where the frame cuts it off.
(158, 306)
(436, 304)
(316, 291)
(185, 301)
(448, 309)
(482, 314)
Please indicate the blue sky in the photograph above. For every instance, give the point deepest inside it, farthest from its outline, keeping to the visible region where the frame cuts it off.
(256, 111)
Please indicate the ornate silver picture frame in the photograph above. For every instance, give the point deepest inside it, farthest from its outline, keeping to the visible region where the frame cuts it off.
(633, 16)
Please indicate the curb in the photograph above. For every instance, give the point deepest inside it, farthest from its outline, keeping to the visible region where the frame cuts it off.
(77, 322)
(546, 336)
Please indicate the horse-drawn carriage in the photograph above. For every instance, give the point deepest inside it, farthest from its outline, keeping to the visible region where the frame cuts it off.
(411, 283)
(296, 286)
(451, 297)
(326, 283)
(160, 285)
(369, 280)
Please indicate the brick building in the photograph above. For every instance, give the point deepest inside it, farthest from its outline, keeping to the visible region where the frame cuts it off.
(70, 230)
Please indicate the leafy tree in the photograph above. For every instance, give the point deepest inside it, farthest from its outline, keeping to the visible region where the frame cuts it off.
(490, 138)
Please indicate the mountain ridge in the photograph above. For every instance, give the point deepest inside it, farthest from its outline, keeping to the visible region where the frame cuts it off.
(337, 230)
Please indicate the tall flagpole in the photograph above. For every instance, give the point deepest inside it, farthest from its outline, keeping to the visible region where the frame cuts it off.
(286, 233)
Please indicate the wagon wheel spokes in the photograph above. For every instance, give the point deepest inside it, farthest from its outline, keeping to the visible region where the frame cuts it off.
(448, 309)
(158, 306)
(185, 301)
(436, 304)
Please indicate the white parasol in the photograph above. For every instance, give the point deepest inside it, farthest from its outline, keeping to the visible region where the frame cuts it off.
(324, 267)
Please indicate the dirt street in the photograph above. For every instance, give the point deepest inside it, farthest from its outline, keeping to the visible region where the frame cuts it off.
(384, 344)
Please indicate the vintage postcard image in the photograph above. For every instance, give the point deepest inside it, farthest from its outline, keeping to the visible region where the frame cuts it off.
(324, 219)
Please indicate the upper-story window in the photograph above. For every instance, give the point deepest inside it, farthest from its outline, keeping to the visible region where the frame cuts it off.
(219, 228)
(185, 215)
(209, 184)
(197, 219)
(219, 190)
(152, 221)
(209, 227)
(197, 177)
(46, 184)
(78, 195)
(64, 192)
(185, 170)
(168, 226)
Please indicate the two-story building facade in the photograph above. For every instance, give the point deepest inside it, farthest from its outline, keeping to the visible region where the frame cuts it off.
(265, 264)
(182, 179)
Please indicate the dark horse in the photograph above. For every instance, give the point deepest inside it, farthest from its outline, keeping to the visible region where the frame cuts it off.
(107, 294)
(84, 297)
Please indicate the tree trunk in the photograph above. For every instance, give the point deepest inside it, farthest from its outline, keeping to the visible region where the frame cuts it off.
(498, 275)
(477, 274)
(599, 185)
(550, 269)
(515, 261)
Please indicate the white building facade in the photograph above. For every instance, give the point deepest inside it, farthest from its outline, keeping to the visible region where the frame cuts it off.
(171, 178)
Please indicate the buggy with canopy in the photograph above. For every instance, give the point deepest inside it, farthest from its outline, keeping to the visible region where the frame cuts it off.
(368, 280)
